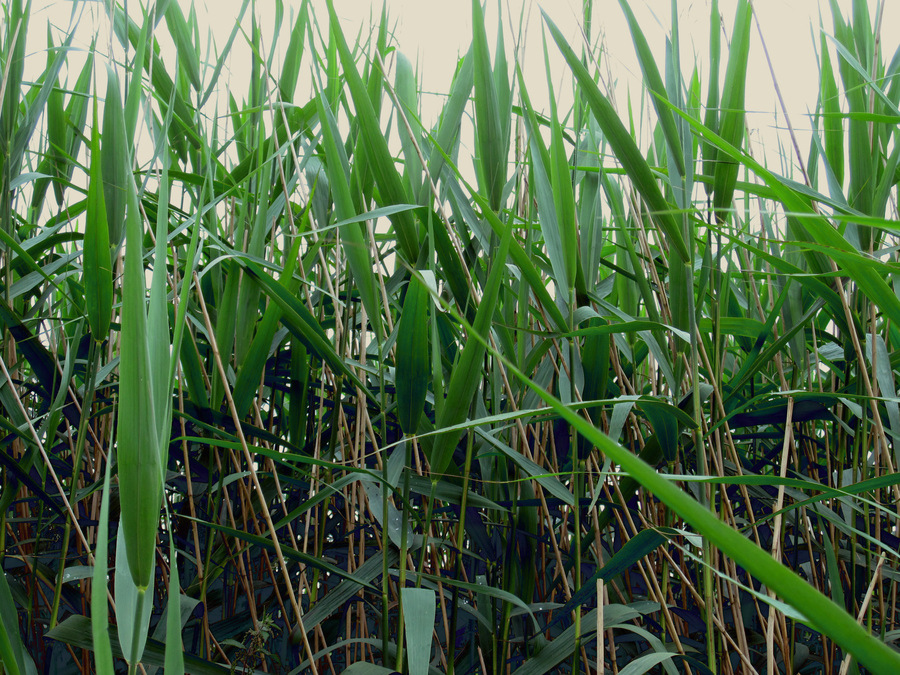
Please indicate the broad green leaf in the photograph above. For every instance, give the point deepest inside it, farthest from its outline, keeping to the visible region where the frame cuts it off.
(98, 283)
(411, 375)
(13, 656)
(624, 147)
(486, 590)
(406, 88)
(491, 160)
(174, 653)
(254, 363)
(467, 371)
(559, 236)
(352, 233)
(561, 647)
(183, 130)
(138, 428)
(99, 585)
(857, 266)
(287, 83)
(288, 552)
(364, 668)
(116, 165)
(184, 44)
(379, 157)
(54, 163)
(635, 549)
(731, 116)
(17, 135)
(346, 589)
(391, 522)
(447, 137)
(832, 123)
(133, 606)
(654, 82)
(298, 319)
(520, 257)
(645, 663)
(418, 621)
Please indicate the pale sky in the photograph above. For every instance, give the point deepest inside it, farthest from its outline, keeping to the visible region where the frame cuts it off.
(433, 33)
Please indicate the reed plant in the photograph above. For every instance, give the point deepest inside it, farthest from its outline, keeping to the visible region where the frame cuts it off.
(294, 381)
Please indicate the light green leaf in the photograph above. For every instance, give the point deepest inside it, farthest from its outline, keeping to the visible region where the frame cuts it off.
(418, 620)
(98, 284)
(411, 377)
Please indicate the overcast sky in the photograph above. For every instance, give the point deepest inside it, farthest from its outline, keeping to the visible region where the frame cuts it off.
(433, 33)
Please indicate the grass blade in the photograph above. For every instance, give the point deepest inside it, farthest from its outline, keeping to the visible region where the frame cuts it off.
(12, 652)
(418, 622)
(184, 44)
(467, 372)
(819, 611)
(624, 147)
(491, 161)
(390, 186)
(99, 583)
(98, 285)
(140, 472)
(411, 378)
(731, 116)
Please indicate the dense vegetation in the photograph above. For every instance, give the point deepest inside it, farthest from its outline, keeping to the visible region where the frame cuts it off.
(297, 384)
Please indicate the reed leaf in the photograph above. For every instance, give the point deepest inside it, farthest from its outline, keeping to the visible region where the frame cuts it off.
(624, 147)
(98, 284)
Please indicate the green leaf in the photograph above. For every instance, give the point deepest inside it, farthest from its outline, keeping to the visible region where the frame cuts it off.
(859, 267)
(346, 589)
(174, 647)
(645, 663)
(352, 232)
(407, 92)
(638, 547)
(411, 377)
(390, 186)
(290, 71)
(137, 427)
(98, 285)
(116, 166)
(654, 83)
(822, 613)
(184, 44)
(133, 606)
(419, 605)
(731, 117)
(363, 668)
(467, 371)
(448, 134)
(624, 147)
(76, 631)
(254, 363)
(491, 160)
(298, 319)
(288, 552)
(559, 237)
(99, 584)
(12, 652)
(832, 122)
(483, 589)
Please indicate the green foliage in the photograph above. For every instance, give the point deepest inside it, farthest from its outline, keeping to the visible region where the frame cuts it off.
(344, 397)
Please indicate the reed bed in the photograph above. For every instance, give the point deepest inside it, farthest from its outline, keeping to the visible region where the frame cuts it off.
(301, 384)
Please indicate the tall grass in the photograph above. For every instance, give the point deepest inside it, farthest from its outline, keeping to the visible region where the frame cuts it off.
(604, 402)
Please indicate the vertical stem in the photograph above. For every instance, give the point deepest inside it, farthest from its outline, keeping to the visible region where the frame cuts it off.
(577, 474)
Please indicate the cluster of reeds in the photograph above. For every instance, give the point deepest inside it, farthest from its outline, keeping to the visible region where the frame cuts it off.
(289, 388)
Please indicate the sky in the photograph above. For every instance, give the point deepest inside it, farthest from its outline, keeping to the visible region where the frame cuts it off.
(434, 33)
